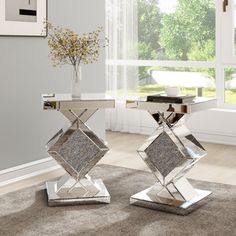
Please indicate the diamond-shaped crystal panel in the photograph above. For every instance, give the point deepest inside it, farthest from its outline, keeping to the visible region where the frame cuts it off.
(170, 153)
(164, 154)
(77, 151)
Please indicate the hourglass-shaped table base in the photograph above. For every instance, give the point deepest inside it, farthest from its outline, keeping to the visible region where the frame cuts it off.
(77, 149)
(79, 196)
(149, 198)
(170, 153)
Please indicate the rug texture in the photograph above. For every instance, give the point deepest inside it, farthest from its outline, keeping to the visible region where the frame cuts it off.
(26, 212)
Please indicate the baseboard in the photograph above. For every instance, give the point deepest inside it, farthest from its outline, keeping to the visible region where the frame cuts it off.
(201, 135)
(212, 137)
(27, 171)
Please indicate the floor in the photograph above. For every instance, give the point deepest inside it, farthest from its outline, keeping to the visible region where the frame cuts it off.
(218, 166)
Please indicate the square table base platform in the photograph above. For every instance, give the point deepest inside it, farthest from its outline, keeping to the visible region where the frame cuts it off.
(143, 199)
(102, 196)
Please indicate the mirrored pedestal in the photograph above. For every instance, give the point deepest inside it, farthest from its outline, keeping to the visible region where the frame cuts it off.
(150, 198)
(74, 194)
(170, 153)
(77, 149)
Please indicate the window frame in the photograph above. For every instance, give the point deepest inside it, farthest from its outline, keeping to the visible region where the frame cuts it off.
(222, 60)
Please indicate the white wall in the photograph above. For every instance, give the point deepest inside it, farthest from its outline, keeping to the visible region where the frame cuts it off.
(26, 72)
(215, 125)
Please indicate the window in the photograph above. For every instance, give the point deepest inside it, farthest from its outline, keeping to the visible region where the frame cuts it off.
(176, 30)
(227, 60)
(230, 86)
(228, 20)
(154, 43)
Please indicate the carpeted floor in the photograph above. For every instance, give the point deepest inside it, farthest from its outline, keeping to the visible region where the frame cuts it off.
(26, 212)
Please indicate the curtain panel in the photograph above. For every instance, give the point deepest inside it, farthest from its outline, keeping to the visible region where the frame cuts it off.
(122, 33)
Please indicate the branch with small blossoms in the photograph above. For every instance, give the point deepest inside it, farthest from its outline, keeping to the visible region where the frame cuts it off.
(67, 47)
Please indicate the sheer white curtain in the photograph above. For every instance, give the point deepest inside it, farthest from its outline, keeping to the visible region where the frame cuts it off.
(122, 32)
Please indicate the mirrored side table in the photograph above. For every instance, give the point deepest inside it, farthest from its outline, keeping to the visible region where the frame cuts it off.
(77, 149)
(170, 153)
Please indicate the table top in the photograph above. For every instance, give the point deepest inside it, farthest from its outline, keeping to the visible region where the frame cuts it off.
(198, 104)
(66, 102)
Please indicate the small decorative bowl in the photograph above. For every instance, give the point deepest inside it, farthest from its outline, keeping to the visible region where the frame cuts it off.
(172, 91)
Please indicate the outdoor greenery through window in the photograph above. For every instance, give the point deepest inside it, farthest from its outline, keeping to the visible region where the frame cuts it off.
(176, 30)
(192, 81)
(159, 43)
(230, 85)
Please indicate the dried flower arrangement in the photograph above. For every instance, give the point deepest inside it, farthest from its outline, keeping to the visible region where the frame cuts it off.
(68, 47)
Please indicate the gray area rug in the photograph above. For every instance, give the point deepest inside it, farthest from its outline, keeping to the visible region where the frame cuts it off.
(26, 212)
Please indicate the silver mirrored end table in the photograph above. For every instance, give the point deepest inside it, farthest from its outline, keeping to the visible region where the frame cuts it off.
(77, 149)
(170, 153)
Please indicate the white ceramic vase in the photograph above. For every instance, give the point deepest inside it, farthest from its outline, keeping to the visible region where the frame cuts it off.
(76, 82)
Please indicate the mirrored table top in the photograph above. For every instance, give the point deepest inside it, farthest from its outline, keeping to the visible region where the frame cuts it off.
(65, 102)
(198, 104)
